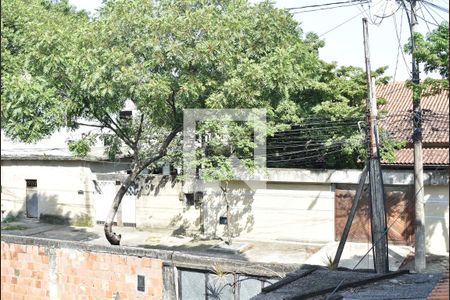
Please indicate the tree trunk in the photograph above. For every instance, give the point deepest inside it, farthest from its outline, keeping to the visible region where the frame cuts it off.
(112, 237)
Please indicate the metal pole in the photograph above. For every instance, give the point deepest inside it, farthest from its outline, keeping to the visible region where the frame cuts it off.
(420, 258)
(378, 218)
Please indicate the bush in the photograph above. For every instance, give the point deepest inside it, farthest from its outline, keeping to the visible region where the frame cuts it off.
(84, 220)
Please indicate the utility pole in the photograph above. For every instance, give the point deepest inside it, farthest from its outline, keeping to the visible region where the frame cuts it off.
(420, 260)
(378, 216)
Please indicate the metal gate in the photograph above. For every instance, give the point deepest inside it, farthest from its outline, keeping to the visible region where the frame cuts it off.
(399, 208)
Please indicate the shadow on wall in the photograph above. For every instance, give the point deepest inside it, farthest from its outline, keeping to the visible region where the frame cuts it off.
(50, 212)
(240, 218)
(436, 225)
(202, 214)
(152, 184)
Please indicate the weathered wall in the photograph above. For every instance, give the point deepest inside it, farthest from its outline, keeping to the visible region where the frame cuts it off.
(291, 205)
(40, 272)
(275, 211)
(58, 186)
(159, 204)
(65, 188)
(437, 218)
(37, 268)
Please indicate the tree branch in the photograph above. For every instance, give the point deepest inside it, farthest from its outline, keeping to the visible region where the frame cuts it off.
(138, 135)
(90, 125)
(171, 102)
(117, 130)
(162, 150)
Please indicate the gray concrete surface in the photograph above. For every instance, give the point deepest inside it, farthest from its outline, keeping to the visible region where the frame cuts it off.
(261, 252)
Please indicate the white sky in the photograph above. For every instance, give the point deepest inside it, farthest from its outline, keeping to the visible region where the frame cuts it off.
(344, 44)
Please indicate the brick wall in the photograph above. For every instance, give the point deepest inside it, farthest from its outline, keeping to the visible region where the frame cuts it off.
(41, 272)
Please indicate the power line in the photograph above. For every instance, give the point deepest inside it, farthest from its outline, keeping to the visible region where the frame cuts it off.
(341, 24)
(431, 15)
(443, 9)
(398, 34)
(423, 15)
(321, 9)
(327, 4)
(432, 9)
(346, 21)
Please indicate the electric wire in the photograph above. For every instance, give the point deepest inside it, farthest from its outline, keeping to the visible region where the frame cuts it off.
(398, 33)
(423, 6)
(430, 7)
(443, 9)
(423, 15)
(327, 4)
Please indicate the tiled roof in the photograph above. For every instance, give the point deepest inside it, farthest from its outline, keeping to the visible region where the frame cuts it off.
(431, 156)
(398, 123)
(440, 291)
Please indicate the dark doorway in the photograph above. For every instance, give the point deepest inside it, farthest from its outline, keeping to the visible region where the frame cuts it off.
(31, 198)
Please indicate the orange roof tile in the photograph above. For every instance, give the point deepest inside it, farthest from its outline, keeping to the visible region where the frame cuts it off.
(431, 156)
(440, 291)
(398, 121)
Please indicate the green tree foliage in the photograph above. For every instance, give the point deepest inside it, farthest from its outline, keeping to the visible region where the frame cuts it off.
(431, 51)
(60, 66)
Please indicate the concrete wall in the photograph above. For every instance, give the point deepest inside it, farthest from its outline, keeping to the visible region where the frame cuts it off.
(160, 204)
(65, 188)
(275, 211)
(292, 205)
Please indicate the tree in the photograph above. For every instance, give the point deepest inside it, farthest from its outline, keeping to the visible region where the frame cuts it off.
(432, 51)
(60, 65)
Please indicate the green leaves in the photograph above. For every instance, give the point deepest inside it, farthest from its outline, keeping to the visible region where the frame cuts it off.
(432, 50)
(30, 108)
(59, 65)
(82, 146)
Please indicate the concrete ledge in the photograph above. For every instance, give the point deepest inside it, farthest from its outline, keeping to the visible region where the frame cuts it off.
(82, 246)
(394, 177)
(172, 258)
(198, 262)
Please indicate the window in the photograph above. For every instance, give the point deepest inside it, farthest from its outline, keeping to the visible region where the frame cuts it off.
(31, 183)
(125, 115)
(141, 283)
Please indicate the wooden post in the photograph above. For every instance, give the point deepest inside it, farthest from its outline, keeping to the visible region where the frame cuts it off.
(348, 224)
(378, 216)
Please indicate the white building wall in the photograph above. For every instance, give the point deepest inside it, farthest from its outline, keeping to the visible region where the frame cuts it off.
(293, 205)
(61, 186)
(437, 218)
(161, 204)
